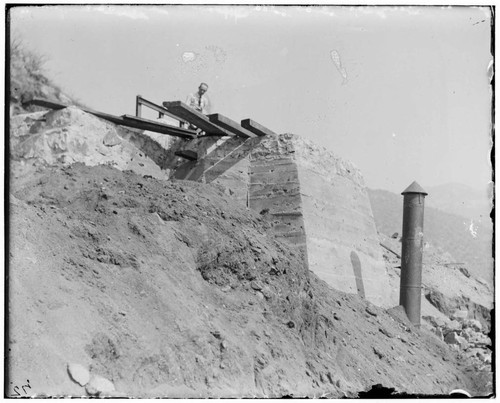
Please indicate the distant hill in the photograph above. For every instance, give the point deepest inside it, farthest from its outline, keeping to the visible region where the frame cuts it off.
(462, 200)
(449, 232)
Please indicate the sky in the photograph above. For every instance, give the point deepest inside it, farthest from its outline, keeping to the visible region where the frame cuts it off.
(401, 92)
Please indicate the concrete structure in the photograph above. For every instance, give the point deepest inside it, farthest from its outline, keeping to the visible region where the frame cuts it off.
(313, 199)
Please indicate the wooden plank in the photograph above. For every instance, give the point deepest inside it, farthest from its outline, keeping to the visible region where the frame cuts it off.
(230, 125)
(187, 154)
(57, 106)
(196, 118)
(160, 127)
(256, 128)
(44, 103)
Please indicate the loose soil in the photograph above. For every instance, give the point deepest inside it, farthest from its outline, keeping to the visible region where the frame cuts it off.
(170, 289)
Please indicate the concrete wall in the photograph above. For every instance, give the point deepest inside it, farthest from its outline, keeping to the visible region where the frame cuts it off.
(342, 240)
(313, 199)
(274, 190)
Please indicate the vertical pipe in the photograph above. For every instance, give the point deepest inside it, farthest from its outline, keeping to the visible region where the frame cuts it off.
(412, 250)
(138, 106)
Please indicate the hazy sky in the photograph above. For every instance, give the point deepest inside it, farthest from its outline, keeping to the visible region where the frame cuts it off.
(402, 92)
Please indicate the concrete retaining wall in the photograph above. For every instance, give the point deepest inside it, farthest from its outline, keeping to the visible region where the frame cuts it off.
(274, 190)
(313, 199)
(342, 240)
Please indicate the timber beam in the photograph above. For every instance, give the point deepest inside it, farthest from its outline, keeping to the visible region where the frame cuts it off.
(256, 128)
(230, 125)
(196, 118)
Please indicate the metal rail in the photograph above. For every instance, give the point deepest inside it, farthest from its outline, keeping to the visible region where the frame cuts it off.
(139, 101)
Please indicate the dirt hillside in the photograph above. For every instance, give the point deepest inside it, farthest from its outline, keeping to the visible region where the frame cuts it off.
(159, 288)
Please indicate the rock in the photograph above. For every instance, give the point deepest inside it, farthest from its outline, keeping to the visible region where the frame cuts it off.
(256, 285)
(99, 386)
(452, 326)
(435, 321)
(267, 292)
(438, 332)
(451, 338)
(111, 139)
(454, 339)
(378, 353)
(464, 271)
(386, 332)
(79, 374)
(474, 324)
(482, 340)
(369, 309)
(460, 315)
(342, 385)
(468, 334)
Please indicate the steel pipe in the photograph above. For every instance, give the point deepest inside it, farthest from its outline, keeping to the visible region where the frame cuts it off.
(412, 250)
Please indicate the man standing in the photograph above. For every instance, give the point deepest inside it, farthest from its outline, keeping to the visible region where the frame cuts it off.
(198, 100)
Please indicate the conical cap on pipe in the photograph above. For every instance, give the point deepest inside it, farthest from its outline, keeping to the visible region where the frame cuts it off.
(414, 188)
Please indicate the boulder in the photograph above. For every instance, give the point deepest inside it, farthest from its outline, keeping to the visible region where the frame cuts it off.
(435, 321)
(454, 339)
(487, 358)
(438, 332)
(473, 324)
(79, 374)
(453, 326)
(468, 334)
(460, 315)
(99, 386)
(481, 340)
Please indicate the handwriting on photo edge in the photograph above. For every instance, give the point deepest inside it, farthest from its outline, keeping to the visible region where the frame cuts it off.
(17, 389)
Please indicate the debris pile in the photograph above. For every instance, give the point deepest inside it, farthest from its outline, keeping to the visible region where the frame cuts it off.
(456, 306)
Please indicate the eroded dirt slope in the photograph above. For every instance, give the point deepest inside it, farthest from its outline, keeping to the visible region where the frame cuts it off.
(170, 289)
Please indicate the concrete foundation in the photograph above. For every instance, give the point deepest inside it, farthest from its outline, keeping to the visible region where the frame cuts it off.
(314, 200)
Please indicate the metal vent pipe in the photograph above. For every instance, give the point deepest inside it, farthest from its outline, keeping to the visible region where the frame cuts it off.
(412, 251)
